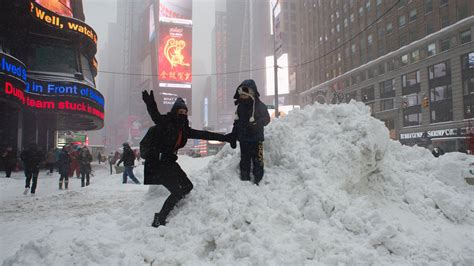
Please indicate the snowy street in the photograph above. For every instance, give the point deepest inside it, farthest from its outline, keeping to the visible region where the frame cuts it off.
(336, 191)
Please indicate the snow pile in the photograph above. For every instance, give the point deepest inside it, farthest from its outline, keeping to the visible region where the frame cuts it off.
(336, 190)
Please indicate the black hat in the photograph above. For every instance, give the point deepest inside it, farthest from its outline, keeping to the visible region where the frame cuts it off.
(179, 104)
(125, 144)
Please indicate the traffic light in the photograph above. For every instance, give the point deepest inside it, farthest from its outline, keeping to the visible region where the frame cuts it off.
(426, 102)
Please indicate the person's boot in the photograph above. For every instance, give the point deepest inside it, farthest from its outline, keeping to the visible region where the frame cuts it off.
(82, 183)
(66, 184)
(87, 181)
(26, 190)
(157, 220)
(60, 184)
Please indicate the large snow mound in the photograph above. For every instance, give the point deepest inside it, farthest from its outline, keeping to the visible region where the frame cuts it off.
(336, 191)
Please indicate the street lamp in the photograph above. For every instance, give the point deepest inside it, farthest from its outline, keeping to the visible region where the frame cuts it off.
(275, 66)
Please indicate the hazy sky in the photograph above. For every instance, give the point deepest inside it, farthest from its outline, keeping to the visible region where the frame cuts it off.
(99, 13)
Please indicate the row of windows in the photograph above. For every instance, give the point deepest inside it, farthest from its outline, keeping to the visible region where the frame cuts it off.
(439, 96)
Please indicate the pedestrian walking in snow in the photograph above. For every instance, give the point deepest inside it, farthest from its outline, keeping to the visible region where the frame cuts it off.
(128, 159)
(111, 159)
(9, 160)
(74, 165)
(64, 164)
(31, 157)
(50, 162)
(159, 148)
(99, 157)
(85, 158)
(251, 117)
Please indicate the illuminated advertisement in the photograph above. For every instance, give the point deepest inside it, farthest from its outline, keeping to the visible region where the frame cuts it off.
(62, 23)
(175, 51)
(59, 95)
(61, 7)
(176, 11)
(167, 96)
(283, 77)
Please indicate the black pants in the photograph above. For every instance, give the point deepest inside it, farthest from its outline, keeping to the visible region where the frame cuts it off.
(85, 175)
(31, 174)
(8, 170)
(251, 153)
(177, 182)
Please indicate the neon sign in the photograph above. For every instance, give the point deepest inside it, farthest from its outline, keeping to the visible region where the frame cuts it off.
(62, 23)
(62, 7)
(175, 53)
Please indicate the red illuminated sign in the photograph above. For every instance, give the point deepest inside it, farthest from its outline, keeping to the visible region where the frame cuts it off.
(175, 53)
(60, 7)
(176, 11)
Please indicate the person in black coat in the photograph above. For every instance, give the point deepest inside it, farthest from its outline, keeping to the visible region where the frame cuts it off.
(9, 160)
(31, 158)
(251, 117)
(64, 164)
(172, 132)
(128, 159)
(85, 158)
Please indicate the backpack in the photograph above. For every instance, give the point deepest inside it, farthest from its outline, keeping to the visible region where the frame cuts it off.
(149, 143)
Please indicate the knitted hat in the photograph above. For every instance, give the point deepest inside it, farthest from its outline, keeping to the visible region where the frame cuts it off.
(178, 104)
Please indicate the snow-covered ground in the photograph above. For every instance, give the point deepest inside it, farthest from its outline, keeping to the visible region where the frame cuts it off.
(337, 191)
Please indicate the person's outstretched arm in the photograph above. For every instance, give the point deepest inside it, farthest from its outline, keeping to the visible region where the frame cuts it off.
(202, 134)
(151, 106)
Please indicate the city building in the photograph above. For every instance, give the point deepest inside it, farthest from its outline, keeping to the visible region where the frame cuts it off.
(47, 72)
(412, 62)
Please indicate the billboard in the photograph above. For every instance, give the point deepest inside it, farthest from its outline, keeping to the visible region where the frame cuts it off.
(176, 11)
(60, 7)
(175, 54)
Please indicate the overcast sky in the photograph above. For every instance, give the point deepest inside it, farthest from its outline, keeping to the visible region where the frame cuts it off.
(99, 13)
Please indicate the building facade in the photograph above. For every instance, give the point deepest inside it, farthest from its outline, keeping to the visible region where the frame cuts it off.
(47, 72)
(411, 61)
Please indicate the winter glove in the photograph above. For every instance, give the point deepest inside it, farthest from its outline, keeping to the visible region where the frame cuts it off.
(231, 139)
(148, 98)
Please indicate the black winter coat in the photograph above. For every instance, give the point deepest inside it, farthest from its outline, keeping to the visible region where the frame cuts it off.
(9, 158)
(32, 159)
(243, 129)
(64, 163)
(128, 157)
(85, 160)
(167, 134)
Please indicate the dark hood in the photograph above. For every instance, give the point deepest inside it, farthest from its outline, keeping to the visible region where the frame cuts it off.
(247, 83)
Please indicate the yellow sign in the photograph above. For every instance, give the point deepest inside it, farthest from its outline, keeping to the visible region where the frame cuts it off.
(173, 52)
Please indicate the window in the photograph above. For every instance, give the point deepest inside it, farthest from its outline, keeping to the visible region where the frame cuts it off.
(428, 6)
(401, 21)
(415, 56)
(372, 72)
(440, 93)
(390, 65)
(468, 86)
(412, 35)
(404, 60)
(353, 48)
(429, 28)
(438, 70)
(431, 48)
(379, 2)
(361, 11)
(50, 58)
(381, 69)
(387, 88)
(442, 112)
(412, 99)
(463, 11)
(346, 22)
(386, 104)
(411, 79)
(467, 61)
(389, 28)
(468, 107)
(444, 45)
(367, 94)
(412, 119)
(443, 2)
(412, 15)
(381, 32)
(369, 39)
(352, 17)
(465, 36)
(444, 21)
